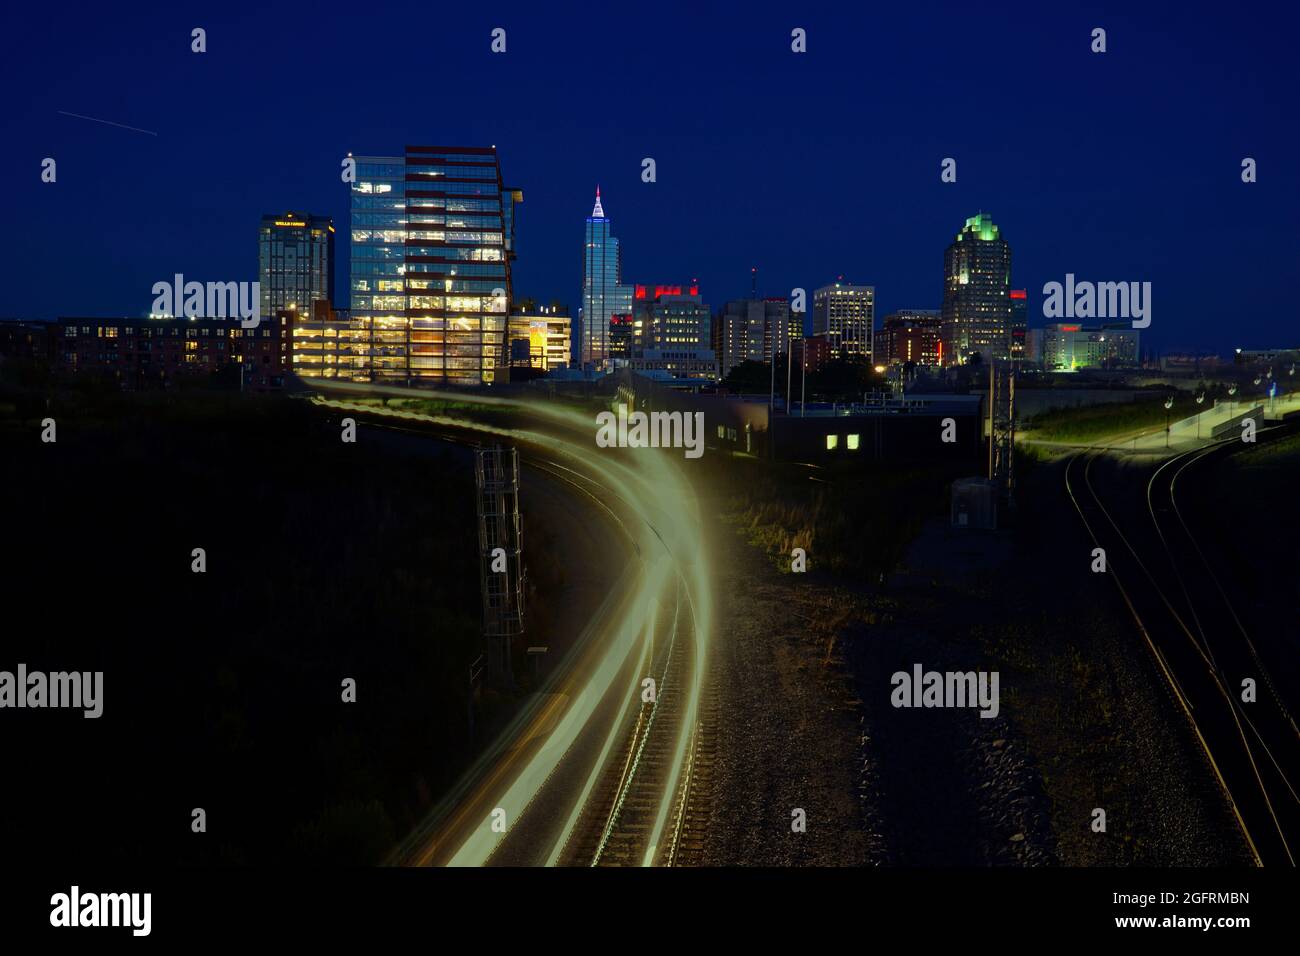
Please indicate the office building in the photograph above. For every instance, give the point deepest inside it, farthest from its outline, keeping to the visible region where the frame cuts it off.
(976, 305)
(1019, 299)
(432, 246)
(327, 344)
(539, 337)
(138, 354)
(1068, 347)
(909, 336)
(620, 337)
(295, 262)
(671, 332)
(750, 330)
(846, 316)
(26, 341)
(810, 353)
(604, 295)
(1033, 347)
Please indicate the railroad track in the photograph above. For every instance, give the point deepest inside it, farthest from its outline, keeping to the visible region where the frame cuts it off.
(693, 814)
(1194, 648)
(631, 818)
(645, 802)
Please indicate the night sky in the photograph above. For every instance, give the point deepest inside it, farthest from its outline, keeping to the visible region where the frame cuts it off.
(1120, 166)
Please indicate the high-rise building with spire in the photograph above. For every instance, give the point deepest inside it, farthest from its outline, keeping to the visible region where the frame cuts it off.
(976, 286)
(604, 295)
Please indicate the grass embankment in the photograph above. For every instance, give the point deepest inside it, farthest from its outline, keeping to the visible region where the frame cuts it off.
(1090, 423)
(324, 561)
(1243, 514)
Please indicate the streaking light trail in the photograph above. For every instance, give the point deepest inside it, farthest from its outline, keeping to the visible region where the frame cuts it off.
(661, 517)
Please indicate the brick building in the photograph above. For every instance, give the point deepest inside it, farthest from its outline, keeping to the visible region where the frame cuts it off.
(158, 353)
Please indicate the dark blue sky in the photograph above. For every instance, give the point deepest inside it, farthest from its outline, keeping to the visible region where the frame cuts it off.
(1122, 166)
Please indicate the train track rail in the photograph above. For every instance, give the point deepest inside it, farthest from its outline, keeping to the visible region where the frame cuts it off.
(693, 816)
(631, 817)
(1201, 647)
(651, 800)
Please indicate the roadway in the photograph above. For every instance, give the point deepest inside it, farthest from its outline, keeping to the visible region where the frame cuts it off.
(1195, 431)
(1189, 621)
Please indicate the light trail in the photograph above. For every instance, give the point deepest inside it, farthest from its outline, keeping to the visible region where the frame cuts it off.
(668, 537)
(610, 740)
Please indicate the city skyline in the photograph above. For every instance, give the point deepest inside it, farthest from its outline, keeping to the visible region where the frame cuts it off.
(1073, 204)
(775, 441)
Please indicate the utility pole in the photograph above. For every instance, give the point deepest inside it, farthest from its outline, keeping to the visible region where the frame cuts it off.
(803, 388)
(771, 395)
(992, 399)
(770, 329)
(789, 363)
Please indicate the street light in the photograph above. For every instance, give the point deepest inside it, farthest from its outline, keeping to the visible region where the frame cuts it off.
(1169, 403)
(1199, 399)
(1231, 392)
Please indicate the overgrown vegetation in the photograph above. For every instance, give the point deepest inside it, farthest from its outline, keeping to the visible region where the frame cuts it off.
(839, 380)
(324, 561)
(854, 520)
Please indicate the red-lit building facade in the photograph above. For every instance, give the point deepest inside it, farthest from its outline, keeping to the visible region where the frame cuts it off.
(910, 335)
(1019, 322)
(815, 350)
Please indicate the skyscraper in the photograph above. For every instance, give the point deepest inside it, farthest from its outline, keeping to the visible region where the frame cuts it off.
(746, 330)
(603, 293)
(1019, 322)
(671, 332)
(845, 315)
(976, 306)
(432, 243)
(295, 262)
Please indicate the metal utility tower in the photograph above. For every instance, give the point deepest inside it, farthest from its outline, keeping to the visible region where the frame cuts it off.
(1002, 425)
(496, 474)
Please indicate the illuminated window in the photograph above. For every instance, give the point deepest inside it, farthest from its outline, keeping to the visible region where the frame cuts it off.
(832, 442)
(853, 443)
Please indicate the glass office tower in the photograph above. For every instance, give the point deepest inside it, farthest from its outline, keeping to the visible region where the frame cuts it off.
(432, 242)
(295, 262)
(603, 294)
